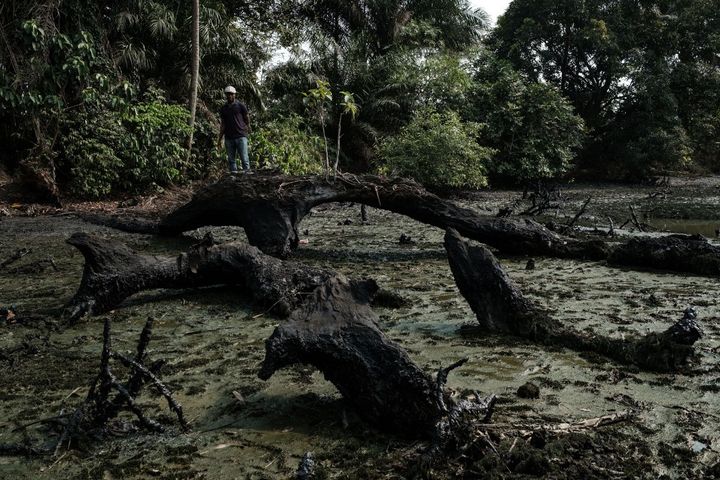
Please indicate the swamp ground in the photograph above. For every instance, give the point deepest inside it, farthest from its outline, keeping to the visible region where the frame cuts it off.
(213, 342)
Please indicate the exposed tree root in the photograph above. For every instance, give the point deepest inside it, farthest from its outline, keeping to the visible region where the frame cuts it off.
(508, 449)
(336, 331)
(92, 417)
(500, 307)
(113, 272)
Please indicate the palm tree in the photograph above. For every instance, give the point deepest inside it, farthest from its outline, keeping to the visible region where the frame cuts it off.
(359, 46)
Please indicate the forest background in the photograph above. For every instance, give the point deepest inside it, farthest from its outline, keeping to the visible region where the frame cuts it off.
(102, 98)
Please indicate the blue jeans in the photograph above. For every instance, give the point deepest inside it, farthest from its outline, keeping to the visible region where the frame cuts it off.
(235, 146)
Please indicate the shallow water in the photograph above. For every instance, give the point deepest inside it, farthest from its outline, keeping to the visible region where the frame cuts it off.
(213, 342)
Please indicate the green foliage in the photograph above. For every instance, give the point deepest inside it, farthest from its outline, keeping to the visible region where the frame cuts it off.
(153, 150)
(286, 144)
(439, 81)
(134, 150)
(348, 104)
(649, 139)
(531, 125)
(583, 47)
(318, 100)
(643, 75)
(206, 160)
(89, 154)
(437, 149)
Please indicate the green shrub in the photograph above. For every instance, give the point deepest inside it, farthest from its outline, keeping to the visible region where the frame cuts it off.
(437, 149)
(89, 157)
(286, 144)
(111, 148)
(153, 151)
(206, 159)
(533, 127)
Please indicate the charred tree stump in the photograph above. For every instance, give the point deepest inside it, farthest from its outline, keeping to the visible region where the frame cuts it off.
(684, 253)
(106, 399)
(100, 406)
(336, 331)
(114, 272)
(501, 307)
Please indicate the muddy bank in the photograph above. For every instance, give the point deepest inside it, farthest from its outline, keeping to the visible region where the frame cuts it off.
(213, 341)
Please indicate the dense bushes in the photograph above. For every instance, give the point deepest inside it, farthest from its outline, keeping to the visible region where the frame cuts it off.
(89, 163)
(437, 149)
(286, 144)
(153, 149)
(135, 150)
(533, 128)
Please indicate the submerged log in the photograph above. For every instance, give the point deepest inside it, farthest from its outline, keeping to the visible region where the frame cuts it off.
(501, 307)
(114, 272)
(336, 331)
(684, 253)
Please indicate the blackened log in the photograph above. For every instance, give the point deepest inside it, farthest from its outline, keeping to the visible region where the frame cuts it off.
(680, 253)
(336, 331)
(271, 206)
(114, 272)
(501, 307)
(125, 223)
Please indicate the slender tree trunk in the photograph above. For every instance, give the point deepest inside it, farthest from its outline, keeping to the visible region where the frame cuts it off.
(337, 153)
(327, 153)
(195, 70)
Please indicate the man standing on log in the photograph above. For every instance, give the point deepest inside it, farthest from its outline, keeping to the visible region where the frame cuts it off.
(235, 126)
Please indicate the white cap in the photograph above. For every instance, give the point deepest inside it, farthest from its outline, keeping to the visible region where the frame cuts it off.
(230, 89)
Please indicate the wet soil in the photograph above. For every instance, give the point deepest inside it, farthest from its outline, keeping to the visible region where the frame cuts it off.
(213, 341)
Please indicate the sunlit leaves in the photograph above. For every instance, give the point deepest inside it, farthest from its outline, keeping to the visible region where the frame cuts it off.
(437, 149)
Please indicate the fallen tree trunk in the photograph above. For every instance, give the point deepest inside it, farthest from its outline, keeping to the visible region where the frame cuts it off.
(123, 223)
(114, 272)
(683, 253)
(336, 331)
(271, 206)
(501, 307)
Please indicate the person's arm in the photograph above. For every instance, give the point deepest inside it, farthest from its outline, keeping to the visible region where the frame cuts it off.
(246, 118)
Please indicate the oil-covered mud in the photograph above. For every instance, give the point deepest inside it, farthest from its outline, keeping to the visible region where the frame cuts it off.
(242, 427)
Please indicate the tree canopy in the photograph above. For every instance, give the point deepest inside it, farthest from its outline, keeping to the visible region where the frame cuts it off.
(99, 93)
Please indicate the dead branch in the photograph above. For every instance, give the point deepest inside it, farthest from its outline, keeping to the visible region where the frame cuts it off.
(577, 216)
(14, 257)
